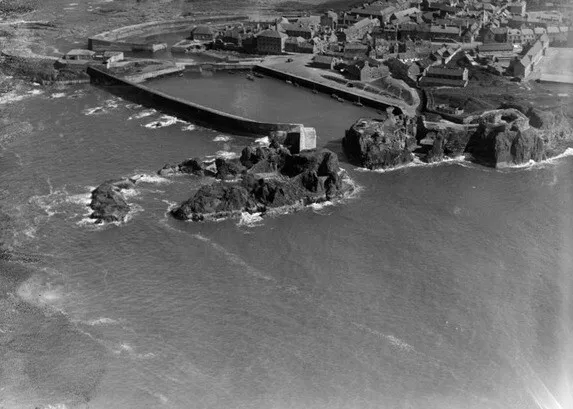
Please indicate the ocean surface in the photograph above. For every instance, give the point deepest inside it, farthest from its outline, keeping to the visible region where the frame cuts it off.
(435, 287)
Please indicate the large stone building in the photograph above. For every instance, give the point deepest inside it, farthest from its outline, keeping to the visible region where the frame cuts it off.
(203, 33)
(524, 66)
(434, 76)
(358, 30)
(271, 42)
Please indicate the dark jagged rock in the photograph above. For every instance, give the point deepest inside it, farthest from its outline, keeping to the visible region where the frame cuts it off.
(216, 199)
(107, 202)
(228, 168)
(323, 162)
(189, 166)
(504, 137)
(375, 143)
(268, 177)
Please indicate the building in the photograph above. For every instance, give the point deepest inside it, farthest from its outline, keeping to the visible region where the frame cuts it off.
(517, 8)
(78, 56)
(434, 76)
(366, 71)
(325, 62)
(292, 44)
(523, 66)
(329, 19)
(408, 72)
(271, 42)
(203, 33)
(358, 30)
(297, 30)
(355, 49)
(439, 33)
(496, 51)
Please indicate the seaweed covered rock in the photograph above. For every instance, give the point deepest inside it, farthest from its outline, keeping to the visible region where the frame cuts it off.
(108, 203)
(373, 143)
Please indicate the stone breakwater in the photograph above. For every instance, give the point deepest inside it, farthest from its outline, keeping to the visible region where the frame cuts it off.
(264, 179)
(186, 110)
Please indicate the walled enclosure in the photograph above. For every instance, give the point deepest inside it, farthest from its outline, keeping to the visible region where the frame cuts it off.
(118, 39)
(187, 110)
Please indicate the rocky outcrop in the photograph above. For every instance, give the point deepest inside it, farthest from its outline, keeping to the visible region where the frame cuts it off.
(189, 166)
(108, 203)
(267, 178)
(373, 143)
(498, 138)
(504, 137)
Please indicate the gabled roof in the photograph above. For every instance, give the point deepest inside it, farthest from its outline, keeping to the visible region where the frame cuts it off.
(323, 59)
(451, 72)
(272, 34)
(495, 47)
(202, 30)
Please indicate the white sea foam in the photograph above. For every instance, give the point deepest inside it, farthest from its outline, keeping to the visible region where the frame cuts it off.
(416, 163)
(101, 321)
(226, 154)
(250, 219)
(133, 106)
(531, 164)
(125, 348)
(222, 138)
(563, 95)
(35, 92)
(162, 122)
(111, 103)
(189, 127)
(94, 111)
(10, 97)
(320, 206)
(142, 114)
(57, 95)
(263, 141)
(150, 178)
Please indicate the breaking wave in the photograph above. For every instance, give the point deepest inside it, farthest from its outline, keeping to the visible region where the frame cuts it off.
(417, 163)
(142, 114)
(162, 122)
(226, 155)
(222, 138)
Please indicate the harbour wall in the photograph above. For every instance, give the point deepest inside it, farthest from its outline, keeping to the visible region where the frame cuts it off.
(126, 38)
(341, 92)
(186, 110)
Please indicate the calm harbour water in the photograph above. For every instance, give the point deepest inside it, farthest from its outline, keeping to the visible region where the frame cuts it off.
(445, 286)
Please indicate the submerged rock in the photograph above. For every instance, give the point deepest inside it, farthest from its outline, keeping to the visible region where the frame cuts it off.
(373, 143)
(107, 202)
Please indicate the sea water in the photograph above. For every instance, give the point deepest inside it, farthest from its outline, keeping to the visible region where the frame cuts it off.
(443, 286)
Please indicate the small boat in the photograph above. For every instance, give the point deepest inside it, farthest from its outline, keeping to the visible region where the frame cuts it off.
(258, 75)
(288, 81)
(339, 99)
(358, 103)
(314, 91)
(250, 77)
(334, 96)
